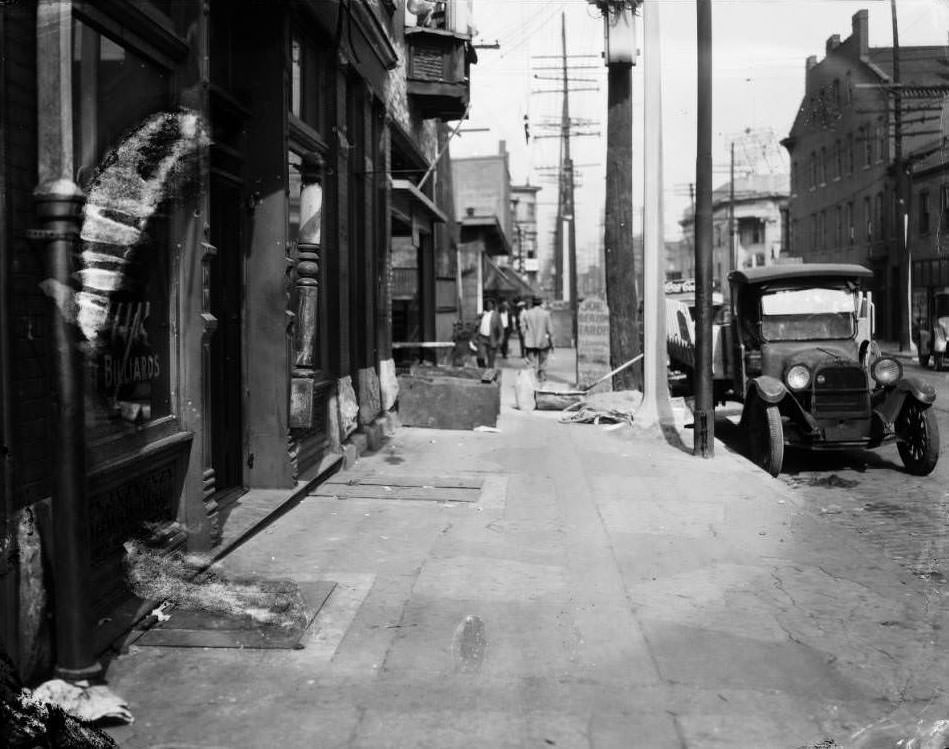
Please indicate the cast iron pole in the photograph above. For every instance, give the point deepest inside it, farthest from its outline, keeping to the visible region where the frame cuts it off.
(704, 426)
(905, 293)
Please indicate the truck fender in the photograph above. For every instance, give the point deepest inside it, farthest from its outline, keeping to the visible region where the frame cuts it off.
(918, 389)
(908, 387)
(767, 388)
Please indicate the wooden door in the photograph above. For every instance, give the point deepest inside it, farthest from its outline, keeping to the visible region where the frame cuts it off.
(226, 299)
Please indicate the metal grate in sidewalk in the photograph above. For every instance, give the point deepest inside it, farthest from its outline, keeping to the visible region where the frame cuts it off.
(453, 488)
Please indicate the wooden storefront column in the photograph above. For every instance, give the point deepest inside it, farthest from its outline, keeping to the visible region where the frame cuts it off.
(306, 323)
(267, 381)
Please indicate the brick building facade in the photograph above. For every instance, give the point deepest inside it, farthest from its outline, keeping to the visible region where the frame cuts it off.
(843, 204)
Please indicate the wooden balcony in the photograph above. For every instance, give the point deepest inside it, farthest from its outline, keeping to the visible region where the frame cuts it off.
(438, 67)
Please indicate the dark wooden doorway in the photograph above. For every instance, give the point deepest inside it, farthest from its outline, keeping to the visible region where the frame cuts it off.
(226, 299)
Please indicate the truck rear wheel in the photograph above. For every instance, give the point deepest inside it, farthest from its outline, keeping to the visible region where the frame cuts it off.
(917, 438)
(766, 437)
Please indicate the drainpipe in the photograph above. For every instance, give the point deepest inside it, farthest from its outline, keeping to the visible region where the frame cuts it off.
(58, 211)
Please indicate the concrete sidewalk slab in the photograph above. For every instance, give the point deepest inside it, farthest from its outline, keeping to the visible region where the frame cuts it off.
(607, 590)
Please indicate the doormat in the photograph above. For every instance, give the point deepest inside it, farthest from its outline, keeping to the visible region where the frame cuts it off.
(188, 627)
(457, 488)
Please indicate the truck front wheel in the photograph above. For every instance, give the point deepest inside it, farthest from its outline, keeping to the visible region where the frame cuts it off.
(766, 437)
(917, 438)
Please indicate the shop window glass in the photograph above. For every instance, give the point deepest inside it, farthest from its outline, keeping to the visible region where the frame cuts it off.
(307, 74)
(126, 243)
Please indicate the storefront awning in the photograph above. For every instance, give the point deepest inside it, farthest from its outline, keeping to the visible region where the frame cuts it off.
(408, 200)
(500, 281)
(488, 230)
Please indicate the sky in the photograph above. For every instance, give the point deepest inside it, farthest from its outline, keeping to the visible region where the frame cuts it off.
(759, 53)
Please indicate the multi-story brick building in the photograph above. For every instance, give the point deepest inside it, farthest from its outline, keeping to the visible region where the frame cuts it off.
(843, 191)
(230, 177)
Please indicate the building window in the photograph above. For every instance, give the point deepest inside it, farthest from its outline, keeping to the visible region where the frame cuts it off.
(822, 229)
(867, 217)
(307, 79)
(849, 222)
(850, 153)
(814, 232)
(823, 165)
(836, 93)
(813, 169)
(878, 214)
(849, 89)
(128, 376)
(944, 206)
(867, 146)
(923, 202)
(838, 160)
(839, 227)
(881, 143)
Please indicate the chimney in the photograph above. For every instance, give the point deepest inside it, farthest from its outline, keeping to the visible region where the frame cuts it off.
(811, 62)
(502, 147)
(833, 42)
(861, 34)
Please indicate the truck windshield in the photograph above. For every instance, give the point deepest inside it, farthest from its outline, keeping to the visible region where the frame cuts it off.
(807, 314)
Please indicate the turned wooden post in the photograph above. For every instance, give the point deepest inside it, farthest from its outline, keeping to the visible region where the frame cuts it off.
(306, 322)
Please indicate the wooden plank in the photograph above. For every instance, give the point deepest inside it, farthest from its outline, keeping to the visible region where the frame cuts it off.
(402, 479)
(371, 491)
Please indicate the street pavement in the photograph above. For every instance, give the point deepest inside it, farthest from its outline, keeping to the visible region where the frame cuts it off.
(607, 589)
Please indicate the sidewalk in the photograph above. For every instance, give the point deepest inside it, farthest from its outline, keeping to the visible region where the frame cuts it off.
(606, 590)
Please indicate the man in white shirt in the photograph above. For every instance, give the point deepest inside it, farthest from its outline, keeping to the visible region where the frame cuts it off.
(489, 335)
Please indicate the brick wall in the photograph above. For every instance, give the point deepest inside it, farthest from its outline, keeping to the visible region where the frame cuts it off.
(30, 321)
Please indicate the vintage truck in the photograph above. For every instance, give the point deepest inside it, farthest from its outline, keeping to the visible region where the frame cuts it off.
(795, 346)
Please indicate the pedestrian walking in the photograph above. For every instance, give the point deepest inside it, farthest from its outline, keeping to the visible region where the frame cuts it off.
(519, 309)
(538, 337)
(489, 335)
(507, 320)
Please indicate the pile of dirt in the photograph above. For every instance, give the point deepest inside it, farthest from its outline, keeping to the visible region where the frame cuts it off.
(179, 579)
(607, 408)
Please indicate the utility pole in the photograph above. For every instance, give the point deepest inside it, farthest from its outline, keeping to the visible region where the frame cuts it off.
(564, 229)
(732, 245)
(619, 258)
(703, 434)
(568, 212)
(902, 242)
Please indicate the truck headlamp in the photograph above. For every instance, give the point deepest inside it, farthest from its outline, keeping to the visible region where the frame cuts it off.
(798, 377)
(886, 371)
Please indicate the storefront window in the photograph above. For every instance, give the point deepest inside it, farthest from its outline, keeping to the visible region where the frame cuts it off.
(125, 268)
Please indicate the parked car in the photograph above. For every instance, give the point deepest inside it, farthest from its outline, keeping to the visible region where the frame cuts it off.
(798, 353)
(932, 334)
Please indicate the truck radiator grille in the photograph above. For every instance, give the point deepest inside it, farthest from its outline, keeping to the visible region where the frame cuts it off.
(840, 391)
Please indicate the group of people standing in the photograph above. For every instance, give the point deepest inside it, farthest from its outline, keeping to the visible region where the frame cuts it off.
(532, 325)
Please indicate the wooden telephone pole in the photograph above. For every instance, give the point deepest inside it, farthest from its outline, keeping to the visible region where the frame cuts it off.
(622, 296)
